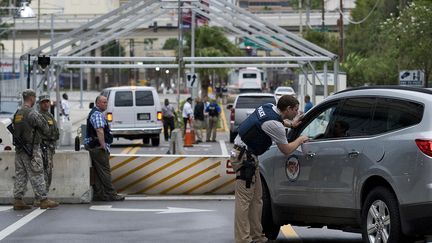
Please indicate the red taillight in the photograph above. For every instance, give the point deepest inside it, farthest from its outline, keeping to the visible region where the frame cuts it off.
(159, 115)
(7, 148)
(425, 146)
(232, 117)
(109, 117)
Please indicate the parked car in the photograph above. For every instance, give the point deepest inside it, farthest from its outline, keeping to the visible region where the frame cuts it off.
(284, 90)
(244, 105)
(134, 112)
(367, 167)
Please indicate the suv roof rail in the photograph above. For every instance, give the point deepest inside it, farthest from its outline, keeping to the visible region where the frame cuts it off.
(416, 89)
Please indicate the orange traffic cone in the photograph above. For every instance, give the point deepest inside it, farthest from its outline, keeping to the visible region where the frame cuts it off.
(189, 136)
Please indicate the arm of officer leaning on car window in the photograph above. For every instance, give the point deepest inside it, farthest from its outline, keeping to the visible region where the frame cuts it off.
(288, 148)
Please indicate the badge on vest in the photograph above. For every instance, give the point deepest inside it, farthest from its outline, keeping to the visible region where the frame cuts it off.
(292, 168)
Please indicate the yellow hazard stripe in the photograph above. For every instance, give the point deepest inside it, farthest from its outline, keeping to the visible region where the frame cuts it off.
(172, 175)
(150, 174)
(135, 169)
(288, 231)
(191, 177)
(134, 150)
(202, 184)
(222, 185)
(123, 163)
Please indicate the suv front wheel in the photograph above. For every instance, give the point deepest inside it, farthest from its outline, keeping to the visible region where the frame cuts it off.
(381, 218)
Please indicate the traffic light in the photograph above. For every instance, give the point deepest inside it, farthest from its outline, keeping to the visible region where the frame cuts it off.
(44, 61)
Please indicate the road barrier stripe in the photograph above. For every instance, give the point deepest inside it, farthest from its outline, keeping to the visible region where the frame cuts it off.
(123, 163)
(151, 173)
(135, 169)
(191, 177)
(172, 175)
(202, 184)
(222, 185)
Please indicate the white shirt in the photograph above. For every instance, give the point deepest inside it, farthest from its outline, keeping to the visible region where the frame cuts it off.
(65, 107)
(187, 110)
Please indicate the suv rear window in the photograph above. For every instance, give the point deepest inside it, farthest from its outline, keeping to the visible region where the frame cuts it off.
(144, 98)
(253, 101)
(123, 98)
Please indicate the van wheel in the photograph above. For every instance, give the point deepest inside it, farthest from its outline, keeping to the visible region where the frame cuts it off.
(233, 135)
(381, 218)
(146, 140)
(271, 230)
(155, 141)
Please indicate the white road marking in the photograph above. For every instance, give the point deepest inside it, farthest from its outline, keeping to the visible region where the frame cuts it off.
(223, 148)
(5, 208)
(20, 223)
(159, 211)
(183, 198)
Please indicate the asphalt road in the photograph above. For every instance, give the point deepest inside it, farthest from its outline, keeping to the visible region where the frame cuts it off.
(143, 220)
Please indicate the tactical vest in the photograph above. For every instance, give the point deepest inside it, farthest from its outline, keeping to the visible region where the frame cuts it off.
(52, 124)
(213, 110)
(24, 128)
(91, 131)
(250, 130)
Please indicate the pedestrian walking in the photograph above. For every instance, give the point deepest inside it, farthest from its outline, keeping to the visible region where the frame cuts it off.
(65, 107)
(213, 111)
(198, 119)
(49, 140)
(187, 113)
(97, 141)
(256, 134)
(168, 116)
(29, 126)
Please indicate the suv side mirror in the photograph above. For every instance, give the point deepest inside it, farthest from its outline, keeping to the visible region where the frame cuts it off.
(229, 107)
(91, 105)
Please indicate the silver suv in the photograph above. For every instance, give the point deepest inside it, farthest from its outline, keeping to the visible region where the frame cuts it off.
(367, 167)
(244, 105)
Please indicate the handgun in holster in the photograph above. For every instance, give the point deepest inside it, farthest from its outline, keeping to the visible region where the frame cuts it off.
(247, 171)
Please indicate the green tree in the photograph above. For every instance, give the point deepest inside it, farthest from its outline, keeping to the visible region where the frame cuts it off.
(211, 42)
(170, 44)
(113, 49)
(409, 37)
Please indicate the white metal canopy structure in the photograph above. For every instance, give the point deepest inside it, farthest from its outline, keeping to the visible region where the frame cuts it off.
(76, 45)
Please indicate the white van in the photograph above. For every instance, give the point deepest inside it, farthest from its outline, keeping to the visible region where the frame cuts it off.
(245, 80)
(134, 112)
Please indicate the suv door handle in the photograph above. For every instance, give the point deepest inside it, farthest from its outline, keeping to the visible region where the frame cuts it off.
(310, 155)
(353, 154)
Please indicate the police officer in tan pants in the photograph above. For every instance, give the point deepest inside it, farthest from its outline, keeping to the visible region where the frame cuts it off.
(255, 135)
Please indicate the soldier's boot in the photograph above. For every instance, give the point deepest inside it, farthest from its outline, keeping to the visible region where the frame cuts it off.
(46, 203)
(19, 204)
(36, 203)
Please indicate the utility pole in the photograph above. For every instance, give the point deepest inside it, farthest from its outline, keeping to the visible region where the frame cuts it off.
(301, 17)
(341, 32)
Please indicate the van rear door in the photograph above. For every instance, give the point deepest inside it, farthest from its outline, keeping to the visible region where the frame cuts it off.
(145, 111)
(123, 103)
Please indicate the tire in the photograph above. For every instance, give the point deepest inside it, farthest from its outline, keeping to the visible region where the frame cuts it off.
(271, 230)
(386, 221)
(146, 140)
(233, 135)
(155, 141)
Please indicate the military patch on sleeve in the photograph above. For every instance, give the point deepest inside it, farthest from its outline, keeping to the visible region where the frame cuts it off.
(50, 122)
(18, 118)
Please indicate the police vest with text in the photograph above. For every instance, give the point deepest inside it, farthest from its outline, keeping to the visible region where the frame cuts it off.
(250, 130)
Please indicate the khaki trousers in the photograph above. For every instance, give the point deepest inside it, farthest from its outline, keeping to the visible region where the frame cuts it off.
(248, 210)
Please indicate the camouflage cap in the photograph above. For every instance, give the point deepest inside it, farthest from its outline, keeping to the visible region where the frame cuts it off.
(44, 97)
(28, 93)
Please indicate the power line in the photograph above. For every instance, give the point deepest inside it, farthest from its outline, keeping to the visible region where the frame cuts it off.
(361, 21)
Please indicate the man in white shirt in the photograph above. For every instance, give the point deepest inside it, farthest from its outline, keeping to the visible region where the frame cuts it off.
(187, 113)
(65, 108)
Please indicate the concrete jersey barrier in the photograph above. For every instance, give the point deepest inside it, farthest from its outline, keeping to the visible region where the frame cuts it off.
(71, 177)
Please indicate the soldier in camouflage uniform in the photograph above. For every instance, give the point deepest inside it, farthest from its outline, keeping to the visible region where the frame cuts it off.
(29, 125)
(48, 143)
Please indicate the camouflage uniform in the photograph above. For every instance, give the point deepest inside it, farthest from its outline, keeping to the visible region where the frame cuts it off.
(29, 125)
(48, 145)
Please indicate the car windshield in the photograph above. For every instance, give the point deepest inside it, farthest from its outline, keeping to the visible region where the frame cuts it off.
(253, 101)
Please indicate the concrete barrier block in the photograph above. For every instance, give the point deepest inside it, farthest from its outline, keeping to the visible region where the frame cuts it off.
(71, 178)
